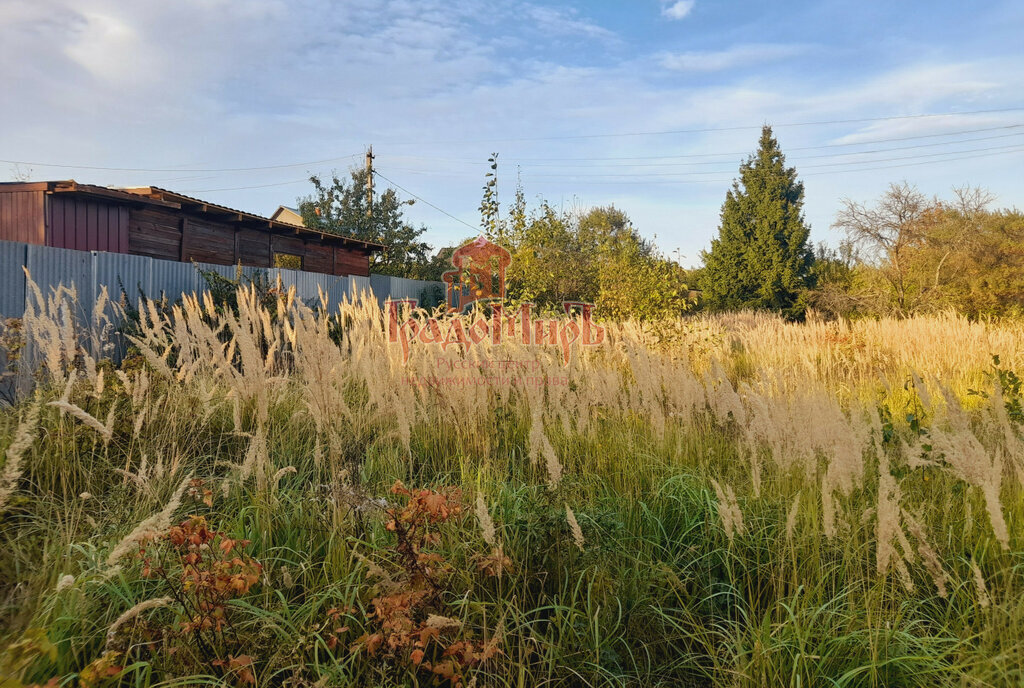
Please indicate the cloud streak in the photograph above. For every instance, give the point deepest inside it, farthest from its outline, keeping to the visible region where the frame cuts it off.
(679, 9)
(750, 54)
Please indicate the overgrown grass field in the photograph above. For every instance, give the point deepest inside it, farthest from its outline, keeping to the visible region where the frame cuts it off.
(270, 496)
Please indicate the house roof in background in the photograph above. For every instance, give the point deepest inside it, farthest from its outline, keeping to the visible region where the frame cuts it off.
(284, 213)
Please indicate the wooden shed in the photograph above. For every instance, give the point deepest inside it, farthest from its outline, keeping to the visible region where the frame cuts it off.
(155, 222)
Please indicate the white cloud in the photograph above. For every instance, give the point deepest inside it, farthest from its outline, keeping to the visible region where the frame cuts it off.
(914, 88)
(730, 58)
(679, 9)
(565, 22)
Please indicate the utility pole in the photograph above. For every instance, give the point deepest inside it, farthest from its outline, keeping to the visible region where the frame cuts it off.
(369, 181)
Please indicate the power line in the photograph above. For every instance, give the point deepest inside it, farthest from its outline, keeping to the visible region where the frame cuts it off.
(420, 198)
(375, 172)
(805, 167)
(858, 120)
(577, 136)
(181, 169)
(551, 176)
(800, 166)
(242, 188)
(569, 179)
(1017, 149)
(802, 157)
(713, 155)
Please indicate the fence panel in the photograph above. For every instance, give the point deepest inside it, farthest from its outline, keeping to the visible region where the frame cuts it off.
(88, 271)
(117, 270)
(357, 286)
(51, 267)
(12, 279)
(172, 279)
(226, 271)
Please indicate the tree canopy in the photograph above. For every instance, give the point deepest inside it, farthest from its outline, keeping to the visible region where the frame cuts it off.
(593, 256)
(912, 254)
(343, 207)
(761, 257)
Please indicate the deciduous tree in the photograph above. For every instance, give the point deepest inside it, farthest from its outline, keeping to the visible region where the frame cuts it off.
(343, 207)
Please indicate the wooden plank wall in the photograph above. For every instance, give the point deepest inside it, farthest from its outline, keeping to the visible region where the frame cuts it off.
(209, 242)
(349, 262)
(22, 217)
(154, 232)
(171, 235)
(318, 258)
(86, 225)
(254, 248)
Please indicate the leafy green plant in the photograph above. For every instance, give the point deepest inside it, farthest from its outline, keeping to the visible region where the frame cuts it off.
(1012, 388)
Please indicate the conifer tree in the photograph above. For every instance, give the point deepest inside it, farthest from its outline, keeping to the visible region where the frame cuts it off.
(761, 258)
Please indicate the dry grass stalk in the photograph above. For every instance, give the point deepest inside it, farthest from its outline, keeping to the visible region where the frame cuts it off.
(104, 431)
(442, 622)
(728, 510)
(372, 569)
(486, 523)
(130, 614)
(927, 554)
(257, 459)
(979, 582)
(891, 543)
(138, 479)
(967, 459)
(281, 472)
(540, 447)
(791, 517)
(574, 527)
(922, 392)
(157, 523)
(24, 436)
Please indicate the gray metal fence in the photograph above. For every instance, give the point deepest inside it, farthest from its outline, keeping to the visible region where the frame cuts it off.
(90, 271)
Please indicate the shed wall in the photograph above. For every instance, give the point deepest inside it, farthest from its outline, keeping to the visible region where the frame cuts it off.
(154, 232)
(86, 225)
(22, 217)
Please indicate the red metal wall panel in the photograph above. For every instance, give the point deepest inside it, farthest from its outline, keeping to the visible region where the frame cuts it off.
(21, 217)
(123, 241)
(86, 225)
(103, 220)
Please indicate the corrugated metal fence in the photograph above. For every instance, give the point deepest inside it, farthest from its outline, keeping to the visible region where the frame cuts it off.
(89, 271)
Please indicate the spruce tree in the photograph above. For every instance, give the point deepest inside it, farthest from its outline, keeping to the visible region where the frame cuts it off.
(761, 258)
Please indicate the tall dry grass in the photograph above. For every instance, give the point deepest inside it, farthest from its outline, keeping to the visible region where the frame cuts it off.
(855, 444)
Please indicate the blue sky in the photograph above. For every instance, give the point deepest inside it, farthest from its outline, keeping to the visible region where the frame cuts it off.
(575, 97)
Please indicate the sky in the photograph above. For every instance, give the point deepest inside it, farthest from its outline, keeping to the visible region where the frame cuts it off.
(650, 105)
